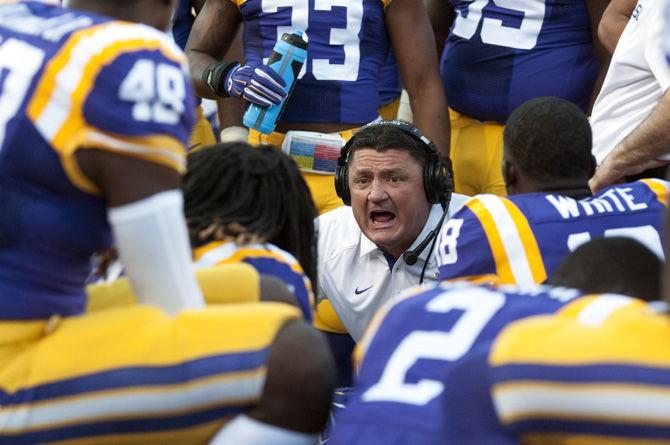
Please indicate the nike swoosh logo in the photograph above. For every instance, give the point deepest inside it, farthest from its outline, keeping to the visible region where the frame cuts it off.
(358, 292)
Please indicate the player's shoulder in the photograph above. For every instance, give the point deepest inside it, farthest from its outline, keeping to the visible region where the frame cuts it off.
(418, 306)
(213, 253)
(117, 37)
(83, 35)
(597, 328)
(280, 255)
(612, 346)
(457, 202)
(499, 214)
(254, 322)
(494, 208)
(268, 252)
(220, 252)
(454, 294)
(649, 190)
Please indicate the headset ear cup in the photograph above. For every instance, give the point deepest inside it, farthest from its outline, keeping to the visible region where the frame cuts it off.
(444, 181)
(342, 183)
(342, 174)
(429, 184)
(437, 181)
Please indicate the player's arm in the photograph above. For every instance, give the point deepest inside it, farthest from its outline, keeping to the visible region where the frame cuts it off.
(124, 180)
(128, 147)
(231, 111)
(442, 15)
(595, 9)
(145, 212)
(182, 23)
(409, 28)
(295, 402)
(212, 33)
(614, 20)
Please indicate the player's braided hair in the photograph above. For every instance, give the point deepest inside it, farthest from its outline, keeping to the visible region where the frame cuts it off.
(235, 192)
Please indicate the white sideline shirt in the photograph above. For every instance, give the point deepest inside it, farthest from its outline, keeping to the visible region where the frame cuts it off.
(637, 77)
(354, 273)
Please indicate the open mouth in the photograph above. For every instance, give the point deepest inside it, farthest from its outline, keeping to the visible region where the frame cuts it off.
(382, 217)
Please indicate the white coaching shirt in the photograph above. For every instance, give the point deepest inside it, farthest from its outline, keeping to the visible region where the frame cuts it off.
(354, 273)
(636, 79)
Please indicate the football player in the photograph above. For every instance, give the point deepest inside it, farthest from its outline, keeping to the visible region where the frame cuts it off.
(95, 115)
(547, 164)
(252, 205)
(390, 88)
(338, 89)
(423, 376)
(497, 56)
(202, 134)
(595, 372)
(636, 271)
(229, 111)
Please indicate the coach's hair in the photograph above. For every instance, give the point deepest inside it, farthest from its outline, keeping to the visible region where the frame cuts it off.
(234, 192)
(386, 137)
(550, 139)
(611, 265)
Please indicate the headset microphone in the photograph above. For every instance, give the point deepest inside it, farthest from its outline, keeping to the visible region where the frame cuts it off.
(412, 256)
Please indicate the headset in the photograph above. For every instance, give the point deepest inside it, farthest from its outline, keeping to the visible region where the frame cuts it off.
(437, 173)
(438, 181)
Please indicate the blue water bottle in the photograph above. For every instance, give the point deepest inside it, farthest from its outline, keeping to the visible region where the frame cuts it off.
(287, 58)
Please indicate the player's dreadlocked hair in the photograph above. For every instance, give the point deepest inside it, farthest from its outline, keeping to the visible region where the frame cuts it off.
(234, 192)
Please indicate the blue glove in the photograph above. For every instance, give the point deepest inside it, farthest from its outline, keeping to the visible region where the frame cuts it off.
(258, 84)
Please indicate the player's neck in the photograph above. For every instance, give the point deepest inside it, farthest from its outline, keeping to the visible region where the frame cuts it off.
(571, 188)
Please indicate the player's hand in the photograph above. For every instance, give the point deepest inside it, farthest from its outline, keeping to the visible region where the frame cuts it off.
(258, 84)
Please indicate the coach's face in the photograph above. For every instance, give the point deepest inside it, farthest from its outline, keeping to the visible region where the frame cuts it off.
(387, 197)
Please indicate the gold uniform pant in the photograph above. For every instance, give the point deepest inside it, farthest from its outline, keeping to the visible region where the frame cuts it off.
(133, 374)
(202, 134)
(389, 111)
(476, 154)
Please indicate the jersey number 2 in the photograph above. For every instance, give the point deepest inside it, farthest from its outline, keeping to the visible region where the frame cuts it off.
(478, 307)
